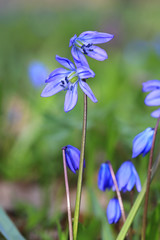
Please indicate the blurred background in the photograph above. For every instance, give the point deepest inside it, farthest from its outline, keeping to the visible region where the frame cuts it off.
(33, 129)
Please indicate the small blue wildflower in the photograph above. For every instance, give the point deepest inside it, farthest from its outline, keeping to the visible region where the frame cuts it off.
(67, 80)
(72, 158)
(37, 73)
(113, 211)
(83, 45)
(127, 177)
(142, 143)
(104, 177)
(153, 98)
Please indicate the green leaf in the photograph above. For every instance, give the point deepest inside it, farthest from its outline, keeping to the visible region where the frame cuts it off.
(7, 228)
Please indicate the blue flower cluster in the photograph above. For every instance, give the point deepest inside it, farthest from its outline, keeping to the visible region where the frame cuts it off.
(67, 78)
(126, 177)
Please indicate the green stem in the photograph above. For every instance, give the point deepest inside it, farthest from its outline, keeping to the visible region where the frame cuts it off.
(148, 182)
(80, 175)
(137, 203)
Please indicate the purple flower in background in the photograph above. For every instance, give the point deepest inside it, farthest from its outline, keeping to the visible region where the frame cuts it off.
(127, 177)
(72, 158)
(142, 143)
(153, 98)
(83, 45)
(113, 211)
(104, 177)
(38, 73)
(67, 80)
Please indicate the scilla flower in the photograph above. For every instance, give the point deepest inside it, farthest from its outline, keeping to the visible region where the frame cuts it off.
(113, 211)
(72, 157)
(153, 98)
(127, 177)
(83, 45)
(67, 80)
(104, 177)
(142, 143)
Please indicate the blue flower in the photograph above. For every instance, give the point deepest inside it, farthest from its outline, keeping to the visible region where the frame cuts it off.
(72, 158)
(104, 177)
(153, 98)
(67, 80)
(83, 45)
(113, 211)
(142, 143)
(127, 177)
(37, 73)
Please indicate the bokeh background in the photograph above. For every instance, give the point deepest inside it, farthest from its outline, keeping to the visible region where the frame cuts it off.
(33, 129)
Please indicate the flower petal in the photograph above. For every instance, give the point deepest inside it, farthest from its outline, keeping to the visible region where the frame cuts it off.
(51, 89)
(58, 74)
(86, 89)
(72, 40)
(123, 174)
(156, 113)
(150, 85)
(113, 211)
(138, 182)
(65, 62)
(141, 141)
(104, 177)
(78, 57)
(97, 53)
(85, 72)
(153, 98)
(71, 98)
(94, 37)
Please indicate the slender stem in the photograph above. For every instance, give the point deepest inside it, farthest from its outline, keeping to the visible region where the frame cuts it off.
(80, 175)
(117, 191)
(148, 182)
(67, 195)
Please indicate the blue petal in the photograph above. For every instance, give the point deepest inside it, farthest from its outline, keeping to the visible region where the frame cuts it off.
(131, 182)
(65, 62)
(156, 113)
(71, 98)
(149, 144)
(123, 174)
(86, 89)
(153, 98)
(97, 53)
(150, 85)
(51, 89)
(95, 37)
(113, 211)
(85, 72)
(78, 57)
(58, 74)
(72, 40)
(138, 182)
(140, 142)
(73, 158)
(104, 177)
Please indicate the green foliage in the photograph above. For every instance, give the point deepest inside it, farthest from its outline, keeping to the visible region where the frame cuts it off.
(7, 228)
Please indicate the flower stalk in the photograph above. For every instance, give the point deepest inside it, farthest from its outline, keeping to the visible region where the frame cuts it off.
(80, 175)
(117, 191)
(148, 182)
(68, 196)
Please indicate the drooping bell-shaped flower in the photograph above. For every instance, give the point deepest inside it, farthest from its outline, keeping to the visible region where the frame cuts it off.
(127, 177)
(84, 45)
(67, 80)
(104, 177)
(72, 155)
(113, 211)
(153, 98)
(142, 143)
(38, 73)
